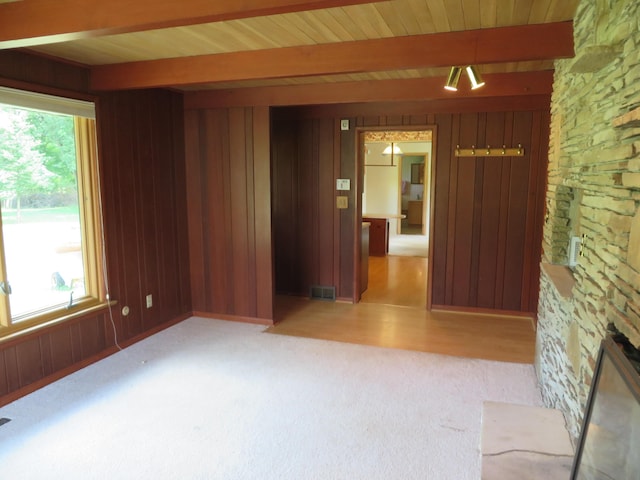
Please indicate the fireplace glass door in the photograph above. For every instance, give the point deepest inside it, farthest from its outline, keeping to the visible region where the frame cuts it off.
(609, 445)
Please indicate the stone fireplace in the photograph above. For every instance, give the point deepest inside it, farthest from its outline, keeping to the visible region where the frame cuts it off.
(594, 193)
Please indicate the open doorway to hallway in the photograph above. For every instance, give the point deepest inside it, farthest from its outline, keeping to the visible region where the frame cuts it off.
(396, 190)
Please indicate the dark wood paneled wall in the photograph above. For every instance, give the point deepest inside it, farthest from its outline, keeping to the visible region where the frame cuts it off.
(141, 155)
(306, 223)
(487, 212)
(18, 67)
(229, 212)
(144, 199)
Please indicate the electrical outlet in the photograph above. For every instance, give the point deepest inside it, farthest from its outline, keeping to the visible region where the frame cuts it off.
(149, 301)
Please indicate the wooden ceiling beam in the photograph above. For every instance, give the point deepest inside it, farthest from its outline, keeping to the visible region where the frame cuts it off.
(498, 45)
(28, 23)
(432, 88)
(413, 107)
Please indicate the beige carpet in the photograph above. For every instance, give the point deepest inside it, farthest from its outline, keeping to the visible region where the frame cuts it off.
(209, 399)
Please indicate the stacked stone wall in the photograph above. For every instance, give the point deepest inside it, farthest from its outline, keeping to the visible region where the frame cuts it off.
(593, 191)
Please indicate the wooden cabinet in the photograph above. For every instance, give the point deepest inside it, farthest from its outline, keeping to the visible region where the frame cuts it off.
(378, 236)
(414, 214)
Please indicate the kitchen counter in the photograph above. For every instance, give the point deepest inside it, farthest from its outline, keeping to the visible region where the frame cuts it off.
(383, 215)
(378, 235)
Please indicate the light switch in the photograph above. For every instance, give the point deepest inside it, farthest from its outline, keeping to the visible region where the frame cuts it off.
(344, 124)
(342, 202)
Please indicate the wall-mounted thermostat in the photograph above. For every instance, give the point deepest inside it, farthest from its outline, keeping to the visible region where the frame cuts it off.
(343, 184)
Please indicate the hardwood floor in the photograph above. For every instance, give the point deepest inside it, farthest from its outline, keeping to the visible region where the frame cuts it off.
(397, 280)
(393, 314)
(490, 337)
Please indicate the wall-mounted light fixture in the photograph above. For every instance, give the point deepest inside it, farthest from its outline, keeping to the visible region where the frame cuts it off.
(474, 77)
(452, 81)
(454, 77)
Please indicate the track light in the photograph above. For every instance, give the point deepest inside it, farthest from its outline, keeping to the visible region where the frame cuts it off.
(454, 77)
(452, 81)
(474, 77)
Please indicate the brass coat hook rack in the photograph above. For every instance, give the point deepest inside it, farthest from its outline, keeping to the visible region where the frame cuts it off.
(490, 152)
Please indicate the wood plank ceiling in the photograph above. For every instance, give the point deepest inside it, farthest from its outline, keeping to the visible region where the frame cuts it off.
(226, 44)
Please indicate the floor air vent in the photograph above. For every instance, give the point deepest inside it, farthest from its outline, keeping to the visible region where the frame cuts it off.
(320, 292)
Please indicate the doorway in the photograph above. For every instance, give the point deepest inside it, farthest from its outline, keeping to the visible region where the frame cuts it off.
(395, 167)
(412, 191)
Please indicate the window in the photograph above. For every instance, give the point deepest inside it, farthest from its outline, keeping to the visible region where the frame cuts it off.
(50, 235)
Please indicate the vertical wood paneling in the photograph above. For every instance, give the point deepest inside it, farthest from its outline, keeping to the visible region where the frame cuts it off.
(38, 70)
(143, 198)
(337, 277)
(518, 219)
(29, 359)
(252, 303)
(141, 153)
(262, 208)
(349, 216)
(194, 178)
(285, 220)
(61, 351)
(451, 202)
(12, 370)
(441, 214)
(91, 337)
(465, 194)
(305, 166)
(326, 208)
(45, 354)
(491, 254)
(4, 384)
(539, 146)
(125, 220)
(147, 177)
(484, 208)
(490, 216)
(217, 240)
(305, 184)
(228, 209)
(238, 172)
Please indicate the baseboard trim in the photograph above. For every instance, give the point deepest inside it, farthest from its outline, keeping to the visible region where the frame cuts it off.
(235, 318)
(43, 382)
(482, 311)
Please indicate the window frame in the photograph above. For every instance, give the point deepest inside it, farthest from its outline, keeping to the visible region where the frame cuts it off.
(90, 213)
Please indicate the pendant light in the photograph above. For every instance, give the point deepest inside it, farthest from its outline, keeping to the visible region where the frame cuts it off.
(392, 149)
